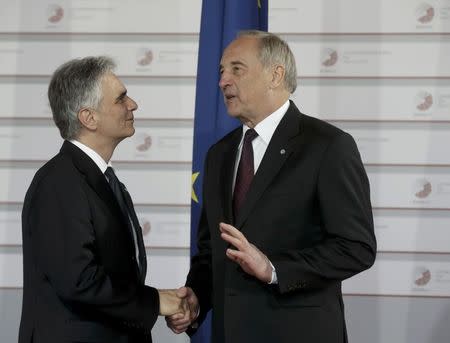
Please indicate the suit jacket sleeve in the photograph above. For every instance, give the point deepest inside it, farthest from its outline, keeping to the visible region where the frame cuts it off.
(344, 205)
(200, 273)
(65, 249)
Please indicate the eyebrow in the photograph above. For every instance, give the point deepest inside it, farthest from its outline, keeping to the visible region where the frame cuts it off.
(122, 95)
(233, 63)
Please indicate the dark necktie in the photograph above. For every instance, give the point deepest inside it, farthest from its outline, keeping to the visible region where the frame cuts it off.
(130, 218)
(117, 190)
(245, 171)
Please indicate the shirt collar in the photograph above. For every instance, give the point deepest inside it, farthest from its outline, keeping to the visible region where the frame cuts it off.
(98, 160)
(266, 127)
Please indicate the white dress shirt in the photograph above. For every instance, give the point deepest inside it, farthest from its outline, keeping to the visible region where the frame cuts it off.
(98, 160)
(265, 130)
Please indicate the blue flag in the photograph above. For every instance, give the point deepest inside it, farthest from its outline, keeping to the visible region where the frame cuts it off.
(220, 22)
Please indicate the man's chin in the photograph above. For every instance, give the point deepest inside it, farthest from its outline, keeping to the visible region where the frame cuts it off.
(233, 112)
(130, 132)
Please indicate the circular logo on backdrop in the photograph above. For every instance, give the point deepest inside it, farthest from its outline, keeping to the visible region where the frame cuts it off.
(144, 142)
(329, 57)
(146, 226)
(423, 101)
(422, 188)
(55, 13)
(424, 13)
(422, 276)
(144, 57)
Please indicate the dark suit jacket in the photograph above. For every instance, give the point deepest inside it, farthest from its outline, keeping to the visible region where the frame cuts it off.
(81, 280)
(308, 209)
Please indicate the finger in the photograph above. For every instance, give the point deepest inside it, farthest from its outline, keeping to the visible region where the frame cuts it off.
(178, 325)
(234, 241)
(193, 312)
(177, 329)
(184, 303)
(181, 322)
(238, 257)
(181, 292)
(180, 329)
(233, 236)
(232, 231)
(192, 298)
(192, 301)
(181, 325)
(176, 316)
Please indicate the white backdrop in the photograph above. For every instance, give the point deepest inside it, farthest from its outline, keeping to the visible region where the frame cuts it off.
(376, 68)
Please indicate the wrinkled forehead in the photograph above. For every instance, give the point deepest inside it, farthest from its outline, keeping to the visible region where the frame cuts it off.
(241, 49)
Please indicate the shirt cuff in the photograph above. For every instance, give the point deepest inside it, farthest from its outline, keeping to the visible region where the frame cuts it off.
(274, 279)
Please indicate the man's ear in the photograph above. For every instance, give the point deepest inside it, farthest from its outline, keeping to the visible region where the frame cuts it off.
(278, 72)
(87, 118)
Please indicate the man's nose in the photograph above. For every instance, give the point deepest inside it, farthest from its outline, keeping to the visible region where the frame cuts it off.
(132, 105)
(224, 80)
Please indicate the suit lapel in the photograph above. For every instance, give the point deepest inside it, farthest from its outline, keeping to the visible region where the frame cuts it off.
(94, 177)
(227, 173)
(281, 146)
(97, 181)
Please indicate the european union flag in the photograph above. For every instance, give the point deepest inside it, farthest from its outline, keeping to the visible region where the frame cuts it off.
(221, 21)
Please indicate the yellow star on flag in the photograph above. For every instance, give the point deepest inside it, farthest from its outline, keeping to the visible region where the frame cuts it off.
(193, 195)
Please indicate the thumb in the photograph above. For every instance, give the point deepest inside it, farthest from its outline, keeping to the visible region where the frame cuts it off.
(182, 292)
(192, 298)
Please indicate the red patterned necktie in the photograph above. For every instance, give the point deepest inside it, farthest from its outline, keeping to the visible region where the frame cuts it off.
(245, 171)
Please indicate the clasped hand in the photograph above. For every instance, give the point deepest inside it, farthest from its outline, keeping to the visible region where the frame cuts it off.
(179, 322)
(171, 302)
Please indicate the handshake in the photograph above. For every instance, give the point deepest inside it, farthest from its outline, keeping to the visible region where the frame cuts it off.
(179, 306)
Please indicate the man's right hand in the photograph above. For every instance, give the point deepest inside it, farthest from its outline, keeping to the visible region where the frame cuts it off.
(179, 322)
(170, 303)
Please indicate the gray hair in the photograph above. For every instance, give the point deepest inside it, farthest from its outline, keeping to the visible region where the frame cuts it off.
(274, 50)
(76, 85)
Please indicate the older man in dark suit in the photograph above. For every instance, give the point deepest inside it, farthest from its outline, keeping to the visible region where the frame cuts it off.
(83, 253)
(286, 211)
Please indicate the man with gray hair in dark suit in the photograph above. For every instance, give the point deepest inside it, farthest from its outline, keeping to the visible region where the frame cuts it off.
(84, 259)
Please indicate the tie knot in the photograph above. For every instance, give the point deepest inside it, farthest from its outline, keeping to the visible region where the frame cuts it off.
(110, 173)
(250, 135)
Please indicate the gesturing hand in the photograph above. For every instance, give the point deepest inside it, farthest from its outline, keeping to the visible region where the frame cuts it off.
(179, 322)
(249, 257)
